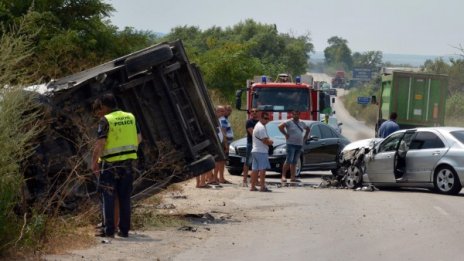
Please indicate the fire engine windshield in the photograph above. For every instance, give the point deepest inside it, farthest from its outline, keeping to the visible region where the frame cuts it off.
(280, 99)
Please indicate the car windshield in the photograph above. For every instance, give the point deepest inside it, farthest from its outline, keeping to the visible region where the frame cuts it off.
(459, 135)
(273, 130)
(280, 99)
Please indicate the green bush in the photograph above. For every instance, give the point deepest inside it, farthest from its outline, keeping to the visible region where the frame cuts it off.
(454, 110)
(18, 128)
(368, 112)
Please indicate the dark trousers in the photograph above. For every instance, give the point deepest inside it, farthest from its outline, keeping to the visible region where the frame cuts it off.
(116, 180)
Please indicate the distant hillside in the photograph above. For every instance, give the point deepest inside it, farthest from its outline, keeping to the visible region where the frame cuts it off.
(411, 59)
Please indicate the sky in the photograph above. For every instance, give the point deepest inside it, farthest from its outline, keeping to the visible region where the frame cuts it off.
(421, 27)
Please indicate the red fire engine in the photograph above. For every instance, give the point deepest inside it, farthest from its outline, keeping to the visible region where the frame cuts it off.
(279, 98)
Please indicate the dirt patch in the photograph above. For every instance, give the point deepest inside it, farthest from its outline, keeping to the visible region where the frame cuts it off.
(203, 209)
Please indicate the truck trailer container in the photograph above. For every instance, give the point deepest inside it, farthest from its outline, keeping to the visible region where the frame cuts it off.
(419, 99)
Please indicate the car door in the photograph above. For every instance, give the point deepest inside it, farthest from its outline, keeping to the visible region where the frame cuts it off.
(426, 148)
(312, 151)
(380, 167)
(324, 150)
(399, 167)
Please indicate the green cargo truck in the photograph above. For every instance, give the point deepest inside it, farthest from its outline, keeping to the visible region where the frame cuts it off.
(419, 99)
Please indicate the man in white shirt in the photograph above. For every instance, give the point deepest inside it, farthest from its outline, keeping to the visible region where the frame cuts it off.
(260, 154)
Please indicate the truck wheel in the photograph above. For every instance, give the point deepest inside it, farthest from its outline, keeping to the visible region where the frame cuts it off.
(446, 181)
(145, 60)
(202, 165)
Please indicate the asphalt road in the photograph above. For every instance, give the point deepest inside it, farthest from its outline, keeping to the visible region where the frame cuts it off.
(301, 222)
(336, 224)
(308, 223)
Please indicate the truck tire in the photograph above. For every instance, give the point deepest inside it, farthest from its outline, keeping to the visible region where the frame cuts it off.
(202, 165)
(146, 60)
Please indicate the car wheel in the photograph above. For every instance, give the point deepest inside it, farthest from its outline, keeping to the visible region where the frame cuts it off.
(235, 172)
(446, 181)
(298, 168)
(335, 172)
(353, 177)
(145, 60)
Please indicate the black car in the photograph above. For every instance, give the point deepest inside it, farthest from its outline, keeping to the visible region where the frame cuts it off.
(321, 151)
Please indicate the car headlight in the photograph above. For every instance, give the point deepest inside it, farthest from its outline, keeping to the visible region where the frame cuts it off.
(281, 150)
(232, 150)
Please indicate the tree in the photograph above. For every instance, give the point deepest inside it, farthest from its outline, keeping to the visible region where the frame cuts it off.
(227, 67)
(369, 59)
(228, 57)
(18, 127)
(437, 66)
(70, 36)
(338, 53)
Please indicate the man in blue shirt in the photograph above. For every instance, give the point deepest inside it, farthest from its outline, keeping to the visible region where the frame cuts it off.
(390, 126)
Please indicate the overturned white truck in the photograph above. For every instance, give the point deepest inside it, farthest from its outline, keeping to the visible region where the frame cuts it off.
(168, 97)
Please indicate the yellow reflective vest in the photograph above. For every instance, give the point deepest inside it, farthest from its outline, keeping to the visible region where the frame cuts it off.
(121, 142)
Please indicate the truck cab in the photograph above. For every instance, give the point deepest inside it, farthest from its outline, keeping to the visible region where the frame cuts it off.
(280, 97)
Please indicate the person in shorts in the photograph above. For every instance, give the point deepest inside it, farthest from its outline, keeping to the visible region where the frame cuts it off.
(260, 154)
(249, 126)
(296, 133)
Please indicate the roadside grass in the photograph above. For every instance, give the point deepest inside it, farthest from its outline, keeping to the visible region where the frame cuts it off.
(237, 118)
(145, 214)
(457, 121)
(60, 234)
(366, 113)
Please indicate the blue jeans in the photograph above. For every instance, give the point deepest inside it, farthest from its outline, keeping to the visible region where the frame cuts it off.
(293, 153)
(248, 154)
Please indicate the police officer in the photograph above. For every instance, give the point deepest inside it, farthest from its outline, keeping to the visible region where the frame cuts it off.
(116, 146)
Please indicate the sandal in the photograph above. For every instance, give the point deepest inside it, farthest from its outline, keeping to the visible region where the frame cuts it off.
(253, 189)
(283, 180)
(204, 186)
(265, 190)
(226, 182)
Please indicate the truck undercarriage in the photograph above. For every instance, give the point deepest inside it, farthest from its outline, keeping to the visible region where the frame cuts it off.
(167, 95)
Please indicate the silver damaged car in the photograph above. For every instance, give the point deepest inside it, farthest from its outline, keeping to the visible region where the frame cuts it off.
(428, 157)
